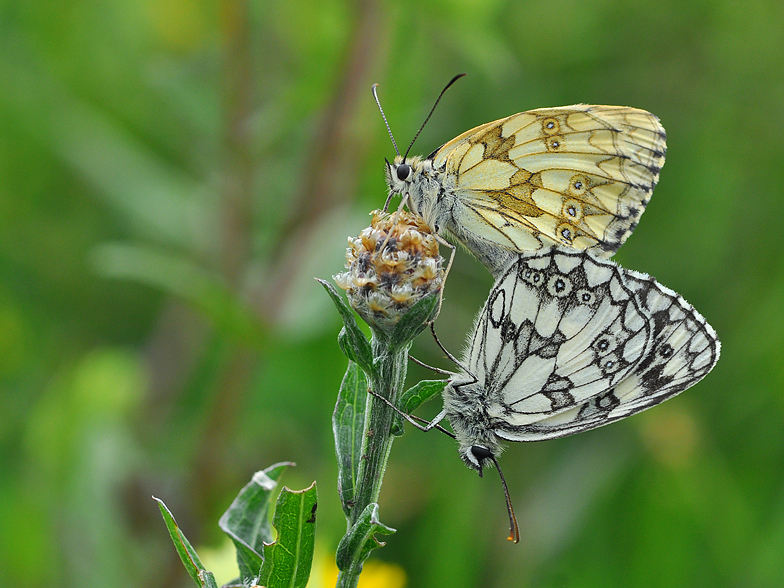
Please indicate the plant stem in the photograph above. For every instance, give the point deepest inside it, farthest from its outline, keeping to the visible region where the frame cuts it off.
(377, 443)
(388, 380)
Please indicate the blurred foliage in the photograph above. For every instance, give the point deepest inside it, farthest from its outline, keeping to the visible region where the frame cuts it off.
(173, 173)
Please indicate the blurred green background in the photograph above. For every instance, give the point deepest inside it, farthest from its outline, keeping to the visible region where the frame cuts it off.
(173, 173)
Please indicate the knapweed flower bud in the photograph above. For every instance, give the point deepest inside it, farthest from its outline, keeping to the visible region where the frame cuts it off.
(391, 265)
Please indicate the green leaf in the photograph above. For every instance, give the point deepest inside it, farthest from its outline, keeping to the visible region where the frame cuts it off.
(246, 521)
(415, 320)
(417, 395)
(345, 342)
(414, 397)
(348, 423)
(287, 561)
(188, 555)
(359, 541)
(352, 340)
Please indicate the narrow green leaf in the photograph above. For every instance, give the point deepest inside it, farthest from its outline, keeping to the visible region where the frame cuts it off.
(359, 541)
(348, 423)
(417, 395)
(414, 397)
(349, 349)
(352, 340)
(188, 555)
(415, 320)
(246, 521)
(287, 561)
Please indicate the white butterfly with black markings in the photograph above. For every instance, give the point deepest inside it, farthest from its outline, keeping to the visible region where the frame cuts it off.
(579, 176)
(568, 342)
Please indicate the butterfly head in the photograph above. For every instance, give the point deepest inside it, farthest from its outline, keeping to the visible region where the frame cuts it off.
(478, 457)
(401, 173)
(408, 177)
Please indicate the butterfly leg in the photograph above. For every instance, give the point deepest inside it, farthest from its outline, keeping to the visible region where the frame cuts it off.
(394, 218)
(456, 361)
(389, 199)
(452, 357)
(446, 271)
(434, 424)
(430, 367)
(430, 424)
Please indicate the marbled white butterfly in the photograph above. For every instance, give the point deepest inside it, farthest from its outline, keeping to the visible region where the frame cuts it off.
(568, 342)
(577, 175)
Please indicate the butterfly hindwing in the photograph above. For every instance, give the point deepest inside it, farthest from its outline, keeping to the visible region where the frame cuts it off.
(568, 342)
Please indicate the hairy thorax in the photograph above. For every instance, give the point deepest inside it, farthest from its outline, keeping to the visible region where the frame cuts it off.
(467, 413)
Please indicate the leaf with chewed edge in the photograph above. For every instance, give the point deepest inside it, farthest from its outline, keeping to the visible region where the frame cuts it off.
(246, 521)
(287, 561)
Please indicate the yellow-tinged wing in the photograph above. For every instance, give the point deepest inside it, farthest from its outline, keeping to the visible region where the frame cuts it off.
(579, 176)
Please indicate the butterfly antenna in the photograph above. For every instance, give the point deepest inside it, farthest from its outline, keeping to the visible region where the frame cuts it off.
(452, 81)
(384, 116)
(514, 530)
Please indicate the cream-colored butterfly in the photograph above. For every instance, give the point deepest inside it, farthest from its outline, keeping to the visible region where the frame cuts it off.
(578, 176)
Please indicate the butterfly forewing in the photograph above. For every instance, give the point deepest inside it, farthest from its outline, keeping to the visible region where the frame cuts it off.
(568, 342)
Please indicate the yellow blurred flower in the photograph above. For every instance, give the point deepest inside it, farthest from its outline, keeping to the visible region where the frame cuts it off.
(375, 574)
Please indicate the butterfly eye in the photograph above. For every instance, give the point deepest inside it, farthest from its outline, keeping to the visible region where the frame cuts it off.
(403, 172)
(481, 453)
